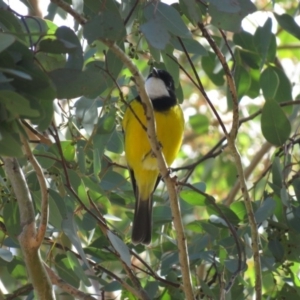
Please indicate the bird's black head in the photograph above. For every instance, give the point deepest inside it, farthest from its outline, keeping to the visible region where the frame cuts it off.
(161, 89)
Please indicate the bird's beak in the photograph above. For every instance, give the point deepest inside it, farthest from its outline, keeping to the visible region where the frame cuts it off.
(154, 72)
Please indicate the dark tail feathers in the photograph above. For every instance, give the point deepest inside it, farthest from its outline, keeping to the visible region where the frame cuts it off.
(142, 222)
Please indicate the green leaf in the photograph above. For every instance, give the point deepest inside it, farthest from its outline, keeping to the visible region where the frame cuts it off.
(232, 265)
(265, 210)
(71, 83)
(35, 28)
(59, 210)
(275, 126)
(155, 33)
(208, 65)
(16, 73)
(254, 89)
(169, 17)
(11, 24)
(277, 173)
(193, 197)
(293, 219)
(242, 81)
(199, 123)
(86, 113)
(106, 124)
(50, 62)
(46, 109)
(106, 25)
(78, 270)
(226, 211)
(75, 57)
(162, 215)
(262, 40)
(113, 286)
(120, 247)
(113, 62)
(239, 208)
(152, 288)
(226, 20)
(284, 90)
(68, 149)
(56, 46)
(277, 249)
(192, 10)
(6, 40)
(11, 217)
(296, 186)
(70, 229)
(207, 290)
(269, 83)
(226, 5)
(288, 23)
(96, 162)
(248, 52)
(115, 143)
(65, 270)
(10, 144)
(16, 104)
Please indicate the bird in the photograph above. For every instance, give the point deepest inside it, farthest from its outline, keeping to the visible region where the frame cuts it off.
(142, 164)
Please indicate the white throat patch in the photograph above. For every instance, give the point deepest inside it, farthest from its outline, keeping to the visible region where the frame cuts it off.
(156, 88)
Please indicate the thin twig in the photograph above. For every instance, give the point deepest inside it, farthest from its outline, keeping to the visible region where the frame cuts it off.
(248, 171)
(240, 250)
(237, 159)
(96, 266)
(66, 287)
(201, 88)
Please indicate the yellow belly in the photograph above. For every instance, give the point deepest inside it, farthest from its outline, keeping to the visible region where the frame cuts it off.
(169, 129)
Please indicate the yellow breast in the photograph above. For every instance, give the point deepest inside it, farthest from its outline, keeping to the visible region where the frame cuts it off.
(169, 129)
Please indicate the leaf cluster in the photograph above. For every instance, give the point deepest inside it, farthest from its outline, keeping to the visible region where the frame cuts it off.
(72, 89)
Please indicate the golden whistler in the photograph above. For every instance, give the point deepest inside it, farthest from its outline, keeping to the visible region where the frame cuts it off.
(142, 165)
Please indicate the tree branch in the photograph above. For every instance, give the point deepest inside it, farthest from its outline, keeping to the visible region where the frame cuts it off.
(44, 191)
(248, 171)
(28, 236)
(237, 159)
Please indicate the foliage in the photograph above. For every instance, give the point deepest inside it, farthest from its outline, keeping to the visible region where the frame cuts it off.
(72, 89)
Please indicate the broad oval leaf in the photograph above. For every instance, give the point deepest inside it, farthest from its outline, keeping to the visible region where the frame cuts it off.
(277, 249)
(265, 210)
(106, 25)
(70, 229)
(288, 23)
(262, 40)
(275, 126)
(230, 21)
(120, 247)
(193, 197)
(6, 40)
(17, 104)
(169, 17)
(269, 83)
(156, 34)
